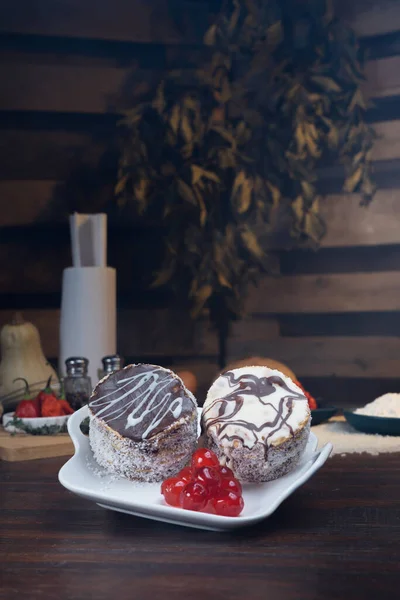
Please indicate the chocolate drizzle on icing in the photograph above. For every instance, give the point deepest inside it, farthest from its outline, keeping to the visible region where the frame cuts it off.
(140, 401)
(225, 415)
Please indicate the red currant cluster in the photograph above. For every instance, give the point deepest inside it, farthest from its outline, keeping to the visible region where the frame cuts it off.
(205, 486)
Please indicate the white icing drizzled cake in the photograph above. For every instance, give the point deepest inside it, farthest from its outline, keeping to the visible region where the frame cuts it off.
(257, 421)
(143, 423)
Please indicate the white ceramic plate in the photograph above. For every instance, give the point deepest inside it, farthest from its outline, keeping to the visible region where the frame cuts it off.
(83, 476)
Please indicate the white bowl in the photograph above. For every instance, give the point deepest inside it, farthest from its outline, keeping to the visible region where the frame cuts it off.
(35, 425)
(83, 476)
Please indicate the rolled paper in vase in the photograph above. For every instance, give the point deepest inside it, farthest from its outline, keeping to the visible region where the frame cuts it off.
(88, 324)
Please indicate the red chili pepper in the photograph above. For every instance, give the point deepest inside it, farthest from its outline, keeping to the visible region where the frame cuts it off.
(46, 393)
(66, 407)
(51, 407)
(27, 409)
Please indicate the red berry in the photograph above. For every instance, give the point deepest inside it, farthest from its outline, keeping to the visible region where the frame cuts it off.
(226, 472)
(231, 484)
(194, 496)
(164, 485)
(228, 504)
(186, 474)
(203, 457)
(210, 478)
(171, 489)
(209, 508)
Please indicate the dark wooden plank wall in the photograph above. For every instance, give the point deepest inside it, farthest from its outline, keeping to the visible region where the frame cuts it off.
(66, 70)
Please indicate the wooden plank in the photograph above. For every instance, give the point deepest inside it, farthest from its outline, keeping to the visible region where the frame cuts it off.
(345, 324)
(172, 21)
(32, 268)
(35, 258)
(357, 259)
(358, 292)
(29, 202)
(61, 51)
(46, 154)
(20, 447)
(172, 333)
(52, 154)
(61, 88)
(254, 329)
(73, 88)
(141, 21)
(337, 356)
(387, 144)
(160, 333)
(386, 175)
(350, 224)
(147, 333)
(99, 89)
(370, 17)
(382, 77)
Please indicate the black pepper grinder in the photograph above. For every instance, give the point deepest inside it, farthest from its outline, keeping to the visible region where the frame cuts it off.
(111, 364)
(77, 384)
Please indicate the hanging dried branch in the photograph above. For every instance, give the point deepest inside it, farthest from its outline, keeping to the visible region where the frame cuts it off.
(215, 156)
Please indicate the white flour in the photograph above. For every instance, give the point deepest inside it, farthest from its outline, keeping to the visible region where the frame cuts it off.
(347, 440)
(387, 405)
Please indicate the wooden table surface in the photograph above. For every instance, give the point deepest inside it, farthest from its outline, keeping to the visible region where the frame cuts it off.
(336, 537)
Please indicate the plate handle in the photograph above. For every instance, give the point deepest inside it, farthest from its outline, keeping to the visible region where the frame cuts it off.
(320, 457)
(74, 428)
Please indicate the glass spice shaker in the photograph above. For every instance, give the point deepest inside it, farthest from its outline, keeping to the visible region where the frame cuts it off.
(77, 384)
(111, 364)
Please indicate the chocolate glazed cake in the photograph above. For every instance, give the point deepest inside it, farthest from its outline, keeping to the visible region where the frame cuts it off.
(143, 423)
(257, 421)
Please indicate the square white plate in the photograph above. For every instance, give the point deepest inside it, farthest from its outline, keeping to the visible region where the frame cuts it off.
(83, 476)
